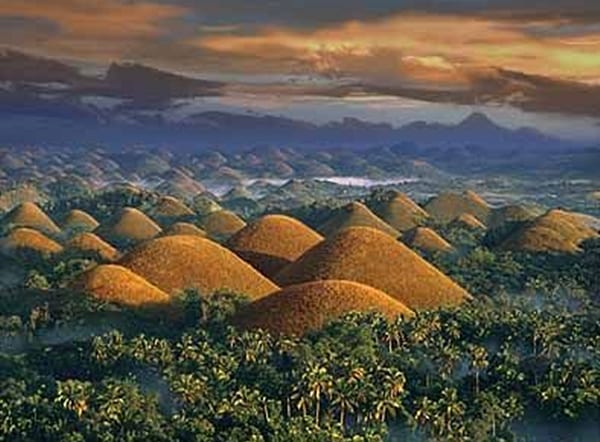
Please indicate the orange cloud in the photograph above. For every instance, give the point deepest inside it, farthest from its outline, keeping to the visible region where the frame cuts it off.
(438, 49)
(93, 29)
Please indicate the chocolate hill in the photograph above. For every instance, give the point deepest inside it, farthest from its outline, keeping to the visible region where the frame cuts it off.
(448, 206)
(272, 242)
(371, 257)
(130, 225)
(427, 240)
(23, 241)
(555, 231)
(468, 221)
(355, 215)
(182, 228)
(170, 207)
(78, 220)
(222, 224)
(306, 307)
(113, 283)
(89, 243)
(30, 215)
(175, 263)
(400, 211)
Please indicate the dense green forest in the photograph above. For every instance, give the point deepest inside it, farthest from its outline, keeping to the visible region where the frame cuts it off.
(519, 363)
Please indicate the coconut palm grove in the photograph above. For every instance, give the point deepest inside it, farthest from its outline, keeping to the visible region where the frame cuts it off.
(361, 221)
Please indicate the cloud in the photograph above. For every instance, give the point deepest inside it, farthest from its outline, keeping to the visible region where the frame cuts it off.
(91, 29)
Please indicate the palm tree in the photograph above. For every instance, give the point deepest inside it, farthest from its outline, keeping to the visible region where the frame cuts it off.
(479, 362)
(342, 397)
(319, 383)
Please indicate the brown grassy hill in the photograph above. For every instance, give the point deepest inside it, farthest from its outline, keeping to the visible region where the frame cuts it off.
(178, 183)
(272, 242)
(30, 215)
(222, 224)
(371, 257)
(355, 215)
(511, 214)
(170, 207)
(131, 225)
(301, 308)
(426, 239)
(182, 228)
(119, 285)
(468, 221)
(88, 242)
(23, 241)
(401, 212)
(174, 263)
(80, 221)
(555, 231)
(448, 206)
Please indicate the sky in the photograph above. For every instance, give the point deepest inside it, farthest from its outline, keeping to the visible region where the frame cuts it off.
(526, 61)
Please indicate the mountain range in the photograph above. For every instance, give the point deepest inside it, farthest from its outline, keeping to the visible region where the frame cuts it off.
(48, 102)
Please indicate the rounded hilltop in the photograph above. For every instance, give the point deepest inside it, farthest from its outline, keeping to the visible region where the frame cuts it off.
(427, 240)
(371, 257)
(176, 263)
(87, 242)
(23, 241)
(130, 224)
(448, 206)
(400, 211)
(119, 285)
(30, 215)
(306, 307)
(355, 214)
(222, 224)
(273, 241)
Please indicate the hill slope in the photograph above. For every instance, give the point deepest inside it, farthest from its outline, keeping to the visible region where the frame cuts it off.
(371, 257)
(30, 215)
(131, 225)
(272, 242)
(448, 206)
(298, 309)
(117, 284)
(400, 211)
(23, 241)
(355, 215)
(426, 239)
(88, 242)
(175, 263)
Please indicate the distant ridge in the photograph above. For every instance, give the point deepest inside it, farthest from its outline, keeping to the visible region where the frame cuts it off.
(298, 309)
(371, 257)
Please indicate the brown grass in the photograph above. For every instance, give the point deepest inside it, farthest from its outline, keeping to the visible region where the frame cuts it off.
(426, 239)
(510, 214)
(448, 206)
(78, 219)
(119, 285)
(175, 263)
(182, 228)
(170, 207)
(130, 224)
(401, 212)
(26, 240)
(222, 224)
(30, 215)
(469, 221)
(371, 257)
(272, 242)
(88, 242)
(555, 231)
(355, 215)
(301, 308)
